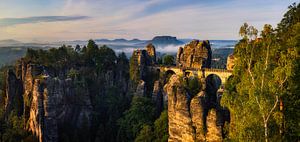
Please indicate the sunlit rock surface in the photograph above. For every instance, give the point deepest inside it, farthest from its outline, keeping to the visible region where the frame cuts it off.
(193, 119)
(196, 54)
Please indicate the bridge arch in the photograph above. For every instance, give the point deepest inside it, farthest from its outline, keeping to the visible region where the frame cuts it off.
(213, 83)
(188, 73)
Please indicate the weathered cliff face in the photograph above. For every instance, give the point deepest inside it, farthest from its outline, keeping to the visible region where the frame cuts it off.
(230, 62)
(141, 59)
(14, 98)
(179, 116)
(54, 107)
(140, 89)
(193, 119)
(158, 97)
(196, 54)
(151, 53)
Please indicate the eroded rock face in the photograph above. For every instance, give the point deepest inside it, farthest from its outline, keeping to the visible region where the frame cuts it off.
(141, 88)
(54, 105)
(179, 116)
(193, 119)
(230, 62)
(144, 58)
(151, 53)
(157, 97)
(196, 54)
(14, 90)
(51, 105)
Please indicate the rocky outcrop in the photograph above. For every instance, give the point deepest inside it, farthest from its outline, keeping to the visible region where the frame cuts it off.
(151, 53)
(53, 106)
(194, 119)
(141, 59)
(140, 89)
(179, 116)
(196, 54)
(158, 97)
(14, 90)
(230, 62)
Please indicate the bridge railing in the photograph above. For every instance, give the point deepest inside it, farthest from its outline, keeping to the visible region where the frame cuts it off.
(195, 69)
(218, 70)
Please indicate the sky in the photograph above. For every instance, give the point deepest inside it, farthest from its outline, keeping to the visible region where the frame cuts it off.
(59, 20)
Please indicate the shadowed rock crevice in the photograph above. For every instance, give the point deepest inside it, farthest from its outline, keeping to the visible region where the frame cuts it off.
(200, 118)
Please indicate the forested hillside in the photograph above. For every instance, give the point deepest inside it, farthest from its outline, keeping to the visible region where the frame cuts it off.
(263, 94)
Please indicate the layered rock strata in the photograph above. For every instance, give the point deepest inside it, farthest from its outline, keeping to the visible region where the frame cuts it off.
(193, 118)
(196, 54)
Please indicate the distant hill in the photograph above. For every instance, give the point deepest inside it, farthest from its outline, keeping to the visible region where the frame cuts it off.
(165, 40)
(8, 55)
(10, 42)
(119, 41)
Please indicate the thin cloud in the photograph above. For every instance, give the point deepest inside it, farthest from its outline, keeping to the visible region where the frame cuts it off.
(4, 22)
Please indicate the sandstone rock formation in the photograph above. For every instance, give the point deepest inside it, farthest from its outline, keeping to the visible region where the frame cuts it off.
(157, 97)
(151, 53)
(145, 56)
(196, 54)
(52, 105)
(140, 89)
(194, 119)
(230, 62)
(14, 98)
(179, 116)
(142, 58)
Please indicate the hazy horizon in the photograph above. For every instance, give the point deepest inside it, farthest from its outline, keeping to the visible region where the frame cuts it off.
(63, 20)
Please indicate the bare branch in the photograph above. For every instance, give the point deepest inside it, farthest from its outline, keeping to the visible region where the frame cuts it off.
(275, 104)
(258, 103)
(266, 67)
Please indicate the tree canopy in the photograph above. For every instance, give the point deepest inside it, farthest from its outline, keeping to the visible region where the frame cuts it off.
(263, 93)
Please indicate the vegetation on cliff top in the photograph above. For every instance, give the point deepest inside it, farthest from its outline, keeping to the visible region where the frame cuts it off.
(263, 94)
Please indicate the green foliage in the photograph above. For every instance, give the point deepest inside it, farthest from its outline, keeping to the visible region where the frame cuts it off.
(8, 55)
(140, 113)
(159, 61)
(161, 131)
(73, 73)
(11, 129)
(88, 68)
(62, 57)
(105, 58)
(168, 60)
(145, 135)
(266, 73)
(157, 132)
(193, 85)
(134, 70)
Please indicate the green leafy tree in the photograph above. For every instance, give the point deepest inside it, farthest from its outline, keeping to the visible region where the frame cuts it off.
(264, 77)
(256, 62)
(161, 131)
(193, 85)
(168, 60)
(145, 135)
(134, 70)
(140, 113)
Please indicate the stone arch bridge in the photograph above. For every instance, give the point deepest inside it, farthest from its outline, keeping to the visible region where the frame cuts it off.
(199, 73)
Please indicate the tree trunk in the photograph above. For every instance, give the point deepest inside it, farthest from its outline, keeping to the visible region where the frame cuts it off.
(266, 131)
